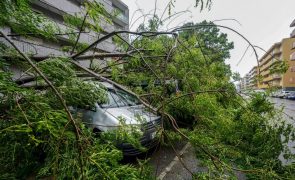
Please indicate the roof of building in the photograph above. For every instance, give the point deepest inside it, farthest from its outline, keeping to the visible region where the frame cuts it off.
(293, 23)
(269, 50)
(253, 69)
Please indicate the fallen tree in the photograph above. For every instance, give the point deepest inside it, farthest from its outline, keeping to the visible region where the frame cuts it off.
(183, 76)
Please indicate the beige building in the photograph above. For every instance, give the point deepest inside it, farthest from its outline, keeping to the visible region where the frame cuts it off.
(281, 51)
(253, 83)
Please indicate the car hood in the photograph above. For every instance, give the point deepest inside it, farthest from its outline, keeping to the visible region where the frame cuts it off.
(132, 114)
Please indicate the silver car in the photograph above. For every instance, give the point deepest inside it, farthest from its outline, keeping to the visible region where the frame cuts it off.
(122, 105)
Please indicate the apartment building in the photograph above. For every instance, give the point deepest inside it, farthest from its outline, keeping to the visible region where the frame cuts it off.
(281, 51)
(245, 82)
(293, 32)
(252, 75)
(56, 10)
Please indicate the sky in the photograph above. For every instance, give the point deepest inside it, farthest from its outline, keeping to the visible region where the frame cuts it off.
(262, 22)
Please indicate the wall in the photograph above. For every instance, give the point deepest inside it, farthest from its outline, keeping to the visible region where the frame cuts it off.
(289, 76)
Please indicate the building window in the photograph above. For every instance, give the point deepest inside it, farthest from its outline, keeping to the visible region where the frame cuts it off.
(293, 45)
(292, 56)
(292, 69)
(292, 80)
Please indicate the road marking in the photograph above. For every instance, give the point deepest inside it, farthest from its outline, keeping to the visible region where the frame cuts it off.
(173, 162)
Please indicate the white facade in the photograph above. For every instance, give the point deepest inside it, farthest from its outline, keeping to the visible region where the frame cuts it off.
(55, 10)
(245, 82)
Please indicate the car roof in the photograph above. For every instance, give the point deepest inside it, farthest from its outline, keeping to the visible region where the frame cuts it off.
(104, 83)
(107, 85)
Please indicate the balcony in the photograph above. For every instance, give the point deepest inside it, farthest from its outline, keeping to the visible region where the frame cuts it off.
(35, 48)
(264, 73)
(268, 64)
(84, 37)
(58, 7)
(263, 86)
(293, 33)
(276, 83)
(277, 76)
(267, 79)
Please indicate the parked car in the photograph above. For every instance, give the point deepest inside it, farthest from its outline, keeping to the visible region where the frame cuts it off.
(262, 91)
(121, 104)
(283, 94)
(291, 96)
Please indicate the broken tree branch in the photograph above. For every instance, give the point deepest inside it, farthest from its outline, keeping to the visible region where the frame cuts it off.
(145, 33)
(97, 76)
(85, 57)
(56, 92)
(81, 28)
(141, 56)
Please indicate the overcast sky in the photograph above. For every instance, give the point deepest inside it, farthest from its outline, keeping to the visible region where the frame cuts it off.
(263, 22)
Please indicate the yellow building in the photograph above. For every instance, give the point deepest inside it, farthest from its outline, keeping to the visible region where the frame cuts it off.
(282, 51)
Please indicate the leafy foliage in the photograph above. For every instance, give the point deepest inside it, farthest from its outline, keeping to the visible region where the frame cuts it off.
(214, 43)
(192, 83)
(184, 77)
(248, 137)
(18, 15)
(279, 67)
(37, 139)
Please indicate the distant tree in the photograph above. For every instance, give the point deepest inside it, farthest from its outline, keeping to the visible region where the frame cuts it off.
(236, 76)
(214, 43)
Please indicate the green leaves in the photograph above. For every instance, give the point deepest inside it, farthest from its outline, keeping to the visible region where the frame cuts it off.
(236, 132)
(58, 70)
(79, 93)
(214, 43)
(19, 16)
(279, 67)
(36, 137)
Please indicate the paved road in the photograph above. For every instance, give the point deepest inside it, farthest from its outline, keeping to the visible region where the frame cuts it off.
(289, 110)
(166, 165)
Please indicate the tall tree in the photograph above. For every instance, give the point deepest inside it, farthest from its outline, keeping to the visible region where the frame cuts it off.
(215, 43)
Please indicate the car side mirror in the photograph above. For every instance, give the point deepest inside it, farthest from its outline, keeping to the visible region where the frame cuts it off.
(90, 108)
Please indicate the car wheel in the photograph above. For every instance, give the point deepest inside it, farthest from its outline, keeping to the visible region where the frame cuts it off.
(96, 132)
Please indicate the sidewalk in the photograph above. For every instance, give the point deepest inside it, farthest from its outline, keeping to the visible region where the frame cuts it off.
(167, 165)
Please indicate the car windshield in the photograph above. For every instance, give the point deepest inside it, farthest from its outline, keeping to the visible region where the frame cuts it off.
(119, 98)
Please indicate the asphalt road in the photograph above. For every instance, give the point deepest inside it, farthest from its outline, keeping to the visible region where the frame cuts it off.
(166, 164)
(289, 115)
(289, 108)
